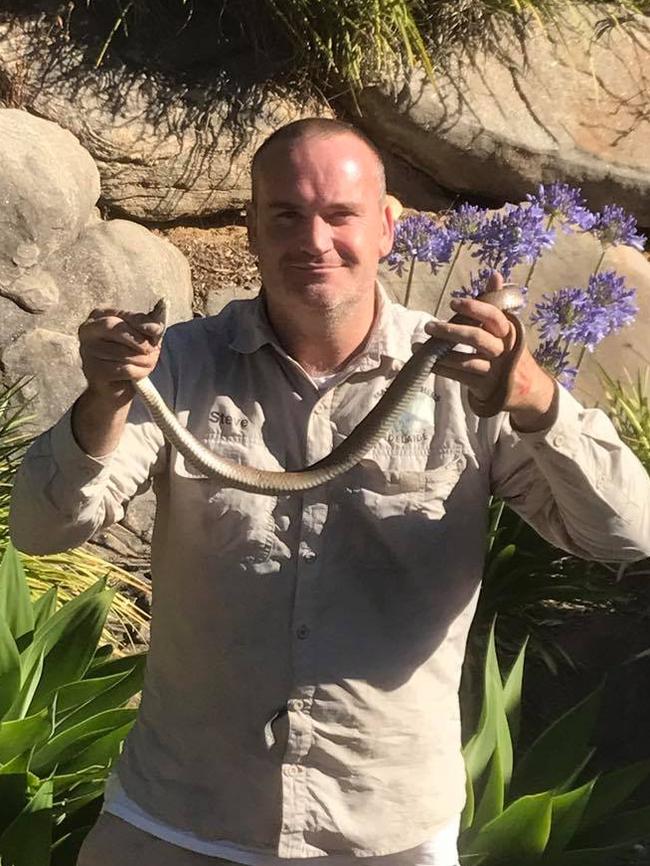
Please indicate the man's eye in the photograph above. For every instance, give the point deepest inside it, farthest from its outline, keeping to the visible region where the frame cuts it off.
(341, 216)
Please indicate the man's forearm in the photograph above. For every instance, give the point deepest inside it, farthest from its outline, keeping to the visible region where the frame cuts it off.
(98, 421)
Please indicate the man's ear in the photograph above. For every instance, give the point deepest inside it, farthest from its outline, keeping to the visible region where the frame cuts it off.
(251, 227)
(388, 227)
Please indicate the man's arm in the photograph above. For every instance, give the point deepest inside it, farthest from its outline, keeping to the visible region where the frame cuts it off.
(76, 476)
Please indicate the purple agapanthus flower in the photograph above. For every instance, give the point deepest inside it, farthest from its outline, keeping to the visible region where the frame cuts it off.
(419, 237)
(564, 315)
(614, 226)
(515, 235)
(586, 316)
(553, 356)
(464, 222)
(607, 292)
(563, 202)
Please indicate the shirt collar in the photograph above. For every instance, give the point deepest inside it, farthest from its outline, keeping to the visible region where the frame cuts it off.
(390, 337)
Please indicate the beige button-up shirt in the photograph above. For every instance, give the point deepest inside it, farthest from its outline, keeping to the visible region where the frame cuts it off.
(306, 649)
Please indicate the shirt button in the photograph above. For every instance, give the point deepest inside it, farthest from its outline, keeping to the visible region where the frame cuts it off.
(291, 769)
(302, 632)
(559, 440)
(295, 705)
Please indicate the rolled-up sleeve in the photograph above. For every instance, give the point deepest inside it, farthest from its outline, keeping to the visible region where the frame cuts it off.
(576, 483)
(61, 496)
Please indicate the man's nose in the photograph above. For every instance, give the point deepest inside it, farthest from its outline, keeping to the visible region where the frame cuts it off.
(316, 236)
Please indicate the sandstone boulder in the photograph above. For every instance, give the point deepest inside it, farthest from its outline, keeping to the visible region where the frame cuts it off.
(163, 151)
(566, 102)
(58, 261)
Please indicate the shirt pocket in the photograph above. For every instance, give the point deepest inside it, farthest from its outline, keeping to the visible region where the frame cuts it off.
(394, 492)
(235, 525)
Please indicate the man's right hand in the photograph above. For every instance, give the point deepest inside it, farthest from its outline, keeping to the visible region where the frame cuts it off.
(118, 348)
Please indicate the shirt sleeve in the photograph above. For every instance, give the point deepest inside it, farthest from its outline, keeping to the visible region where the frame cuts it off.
(576, 483)
(61, 496)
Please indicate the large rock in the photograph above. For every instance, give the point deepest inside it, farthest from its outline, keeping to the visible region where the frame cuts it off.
(77, 262)
(567, 102)
(569, 263)
(48, 189)
(163, 152)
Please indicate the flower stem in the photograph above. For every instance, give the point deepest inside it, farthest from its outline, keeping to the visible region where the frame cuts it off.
(598, 267)
(447, 278)
(537, 257)
(409, 282)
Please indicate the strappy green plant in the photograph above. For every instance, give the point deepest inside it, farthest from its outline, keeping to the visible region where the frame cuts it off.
(629, 409)
(544, 804)
(64, 713)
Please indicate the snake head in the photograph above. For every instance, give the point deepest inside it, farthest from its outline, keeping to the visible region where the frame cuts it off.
(158, 318)
(507, 297)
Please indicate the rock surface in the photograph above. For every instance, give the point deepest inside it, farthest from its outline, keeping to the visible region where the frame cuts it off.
(163, 152)
(58, 261)
(563, 103)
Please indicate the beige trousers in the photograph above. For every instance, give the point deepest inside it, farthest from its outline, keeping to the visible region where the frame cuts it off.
(114, 842)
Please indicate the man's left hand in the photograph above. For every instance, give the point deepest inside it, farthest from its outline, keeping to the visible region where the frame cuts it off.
(531, 400)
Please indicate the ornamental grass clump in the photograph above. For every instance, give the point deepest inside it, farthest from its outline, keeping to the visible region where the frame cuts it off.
(570, 321)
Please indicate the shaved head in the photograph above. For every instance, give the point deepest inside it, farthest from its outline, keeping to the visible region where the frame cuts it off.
(313, 127)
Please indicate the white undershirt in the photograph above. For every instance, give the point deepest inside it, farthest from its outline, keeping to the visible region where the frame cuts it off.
(440, 851)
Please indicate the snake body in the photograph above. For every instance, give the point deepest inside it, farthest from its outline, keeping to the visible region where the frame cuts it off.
(377, 423)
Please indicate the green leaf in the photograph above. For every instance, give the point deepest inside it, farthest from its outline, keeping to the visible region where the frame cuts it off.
(493, 723)
(78, 633)
(125, 685)
(27, 841)
(555, 756)
(467, 818)
(19, 708)
(20, 736)
(512, 692)
(64, 746)
(75, 695)
(14, 796)
(612, 789)
(101, 753)
(519, 834)
(15, 601)
(44, 607)
(493, 797)
(9, 669)
(568, 810)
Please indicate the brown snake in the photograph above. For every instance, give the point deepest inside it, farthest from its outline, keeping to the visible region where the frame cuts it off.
(372, 428)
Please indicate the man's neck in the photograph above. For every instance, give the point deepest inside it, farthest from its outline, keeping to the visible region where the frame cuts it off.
(322, 343)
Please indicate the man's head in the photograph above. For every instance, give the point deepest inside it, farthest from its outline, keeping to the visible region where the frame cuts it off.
(319, 221)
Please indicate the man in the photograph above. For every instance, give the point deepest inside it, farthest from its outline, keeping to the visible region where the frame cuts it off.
(306, 650)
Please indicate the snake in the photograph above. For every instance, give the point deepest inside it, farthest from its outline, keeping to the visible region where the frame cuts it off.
(377, 423)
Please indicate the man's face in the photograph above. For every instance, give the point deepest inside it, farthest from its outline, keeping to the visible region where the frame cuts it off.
(319, 223)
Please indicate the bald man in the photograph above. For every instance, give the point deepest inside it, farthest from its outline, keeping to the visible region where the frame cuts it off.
(301, 693)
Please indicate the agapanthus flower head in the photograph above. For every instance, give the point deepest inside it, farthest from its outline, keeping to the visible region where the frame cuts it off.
(553, 356)
(607, 292)
(563, 202)
(464, 222)
(564, 315)
(586, 316)
(517, 234)
(614, 226)
(419, 237)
